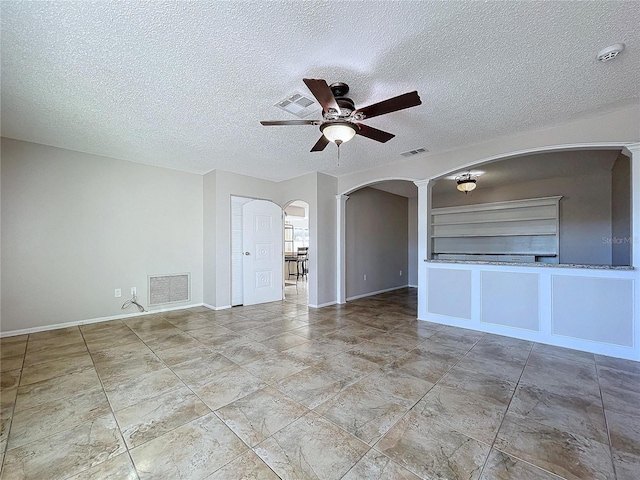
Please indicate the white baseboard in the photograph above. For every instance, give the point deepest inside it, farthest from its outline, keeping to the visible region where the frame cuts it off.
(376, 293)
(412, 286)
(224, 307)
(328, 304)
(57, 326)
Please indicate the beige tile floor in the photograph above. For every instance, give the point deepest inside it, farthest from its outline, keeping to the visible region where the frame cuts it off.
(362, 391)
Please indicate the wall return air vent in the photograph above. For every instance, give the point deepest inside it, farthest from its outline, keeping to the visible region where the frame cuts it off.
(165, 289)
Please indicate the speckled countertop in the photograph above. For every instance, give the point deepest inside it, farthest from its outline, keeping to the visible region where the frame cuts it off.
(536, 264)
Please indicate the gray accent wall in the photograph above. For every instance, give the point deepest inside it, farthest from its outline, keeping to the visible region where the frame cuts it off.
(377, 239)
(585, 211)
(77, 226)
(621, 211)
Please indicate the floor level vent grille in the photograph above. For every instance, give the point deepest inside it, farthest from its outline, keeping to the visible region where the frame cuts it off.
(165, 289)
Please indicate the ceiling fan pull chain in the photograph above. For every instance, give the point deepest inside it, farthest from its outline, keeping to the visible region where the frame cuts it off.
(338, 144)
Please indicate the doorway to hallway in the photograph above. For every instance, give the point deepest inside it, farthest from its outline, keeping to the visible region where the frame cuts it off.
(296, 252)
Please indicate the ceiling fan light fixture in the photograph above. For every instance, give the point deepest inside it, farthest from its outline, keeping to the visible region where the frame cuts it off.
(338, 132)
(466, 183)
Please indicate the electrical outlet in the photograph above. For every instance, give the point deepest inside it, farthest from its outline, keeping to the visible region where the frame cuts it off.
(400, 272)
(365, 277)
(133, 291)
(117, 293)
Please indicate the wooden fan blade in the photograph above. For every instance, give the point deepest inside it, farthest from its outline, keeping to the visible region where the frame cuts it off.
(323, 93)
(270, 123)
(320, 144)
(394, 104)
(374, 133)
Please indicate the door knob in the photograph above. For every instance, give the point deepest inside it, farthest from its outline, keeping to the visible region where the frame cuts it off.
(247, 253)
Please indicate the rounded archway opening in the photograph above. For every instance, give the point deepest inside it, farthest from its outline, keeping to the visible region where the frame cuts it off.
(297, 252)
(499, 220)
(380, 238)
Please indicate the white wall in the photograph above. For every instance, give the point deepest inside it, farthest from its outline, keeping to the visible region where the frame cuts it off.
(585, 211)
(305, 188)
(77, 226)
(584, 309)
(148, 218)
(316, 189)
(219, 186)
(377, 241)
(413, 241)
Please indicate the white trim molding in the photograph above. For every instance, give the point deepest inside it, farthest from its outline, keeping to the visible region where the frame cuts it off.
(369, 294)
(586, 330)
(533, 151)
(545, 335)
(328, 304)
(224, 307)
(57, 326)
(341, 247)
(369, 183)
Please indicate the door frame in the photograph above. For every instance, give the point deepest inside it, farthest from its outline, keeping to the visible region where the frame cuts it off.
(312, 255)
(231, 244)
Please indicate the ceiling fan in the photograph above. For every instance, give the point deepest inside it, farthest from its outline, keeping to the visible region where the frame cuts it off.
(340, 118)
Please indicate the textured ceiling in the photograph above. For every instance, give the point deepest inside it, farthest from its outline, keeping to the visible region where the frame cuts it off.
(185, 84)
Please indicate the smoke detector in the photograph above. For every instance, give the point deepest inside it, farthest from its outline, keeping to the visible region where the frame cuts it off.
(610, 52)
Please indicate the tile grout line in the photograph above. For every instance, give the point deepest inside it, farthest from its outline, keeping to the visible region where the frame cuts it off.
(533, 344)
(273, 385)
(515, 389)
(113, 412)
(312, 410)
(372, 447)
(215, 413)
(436, 383)
(74, 426)
(156, 396)
(606, 422)
(13, 409)
(211, 411)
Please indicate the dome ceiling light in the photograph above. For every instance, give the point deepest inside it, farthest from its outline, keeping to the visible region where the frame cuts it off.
(466, 182)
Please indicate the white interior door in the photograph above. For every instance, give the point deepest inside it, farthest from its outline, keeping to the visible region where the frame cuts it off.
(262, 245)
(237, 253)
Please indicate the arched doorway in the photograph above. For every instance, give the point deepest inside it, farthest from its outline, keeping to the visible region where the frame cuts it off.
(296, 252)
(377, 239)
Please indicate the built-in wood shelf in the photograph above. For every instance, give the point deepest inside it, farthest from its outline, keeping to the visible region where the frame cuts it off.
(530, 227)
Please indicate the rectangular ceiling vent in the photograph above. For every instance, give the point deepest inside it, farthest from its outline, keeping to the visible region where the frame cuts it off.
(298, 104)
(411, 153)
(165, 289)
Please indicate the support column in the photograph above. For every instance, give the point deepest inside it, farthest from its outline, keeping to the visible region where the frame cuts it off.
(341, 270)
(424, 244)
(633, 151)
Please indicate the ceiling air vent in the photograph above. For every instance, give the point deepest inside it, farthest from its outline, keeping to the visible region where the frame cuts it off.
(298, 105)
(411, 153)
